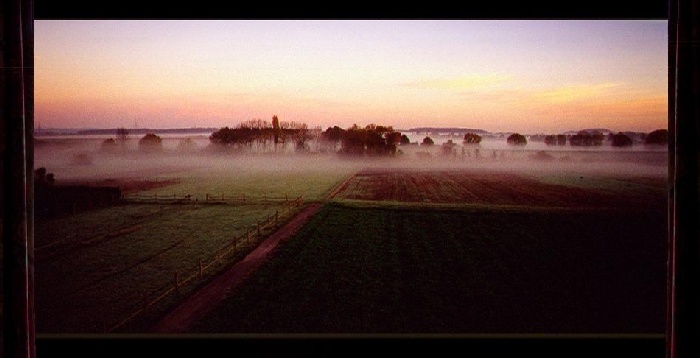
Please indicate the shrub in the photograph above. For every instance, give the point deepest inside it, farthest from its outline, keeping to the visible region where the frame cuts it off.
(472, 138)
(151, 143)
(657, 137)
(516, 139)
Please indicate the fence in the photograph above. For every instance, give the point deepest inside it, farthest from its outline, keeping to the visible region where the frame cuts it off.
(207, 199)
(254, 235)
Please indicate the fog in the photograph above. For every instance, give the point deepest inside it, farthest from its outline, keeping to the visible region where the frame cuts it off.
(83, 158)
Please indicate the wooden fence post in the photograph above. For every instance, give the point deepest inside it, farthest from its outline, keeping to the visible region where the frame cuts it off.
(177, 284)
(207, 197)
(222, 196)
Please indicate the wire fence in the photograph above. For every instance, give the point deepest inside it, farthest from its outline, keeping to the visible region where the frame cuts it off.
(206, 199)
(181, 281)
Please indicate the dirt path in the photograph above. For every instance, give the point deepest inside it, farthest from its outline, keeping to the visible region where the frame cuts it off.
(197, 305)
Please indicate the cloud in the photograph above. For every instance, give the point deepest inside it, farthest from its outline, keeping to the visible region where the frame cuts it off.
(573, 93)
(473, 81)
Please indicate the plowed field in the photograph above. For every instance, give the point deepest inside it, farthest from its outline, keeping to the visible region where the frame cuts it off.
(502, 188)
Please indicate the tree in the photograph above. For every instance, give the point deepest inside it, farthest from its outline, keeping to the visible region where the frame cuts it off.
(186, 145)
(550, 140)
(448, 148)
(621, 140)
(584, 138)
(427, 141)
(109, 145)
(151, 143)
(276, 130)
(561, 139)
(43, 178)
(122, 137)
(404, 140)
(657, 137)
(472, 138)
(516, 139)
(371, 140)
(332, 136)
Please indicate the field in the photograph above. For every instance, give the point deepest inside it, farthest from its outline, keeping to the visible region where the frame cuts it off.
(467, 252)
(498, 243)
(95, 269)
(502, 188)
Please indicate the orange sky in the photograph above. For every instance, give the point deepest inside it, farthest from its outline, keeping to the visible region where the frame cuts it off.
(526, 76)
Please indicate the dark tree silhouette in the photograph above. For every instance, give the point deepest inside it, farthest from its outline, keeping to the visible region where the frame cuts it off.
(516, 139)
(332, 136)
(109, 145)
(374, 140)
(621, 140)
(448, 148)
(43, 178)
(122, 137)
(657, 137)
(404, 140)
(561, 139)
(550, 140)
(276, 130)
(151, 143)
(39, 175)
(427, 141)
(186, 145)
(584, 138)
(472, 138)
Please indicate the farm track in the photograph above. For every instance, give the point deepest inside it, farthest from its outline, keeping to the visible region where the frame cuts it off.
(216, 291)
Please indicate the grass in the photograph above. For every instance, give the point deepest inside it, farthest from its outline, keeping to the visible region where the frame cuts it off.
(311, 182)
(103, 279)
(97, 266)
(382, 269)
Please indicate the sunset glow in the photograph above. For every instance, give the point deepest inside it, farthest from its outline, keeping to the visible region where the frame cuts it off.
(527, 76)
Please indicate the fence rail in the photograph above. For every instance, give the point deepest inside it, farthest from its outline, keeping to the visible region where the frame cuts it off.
(254, 235)
(206, 199)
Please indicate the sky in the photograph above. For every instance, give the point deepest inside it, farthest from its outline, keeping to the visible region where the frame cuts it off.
(546, 76)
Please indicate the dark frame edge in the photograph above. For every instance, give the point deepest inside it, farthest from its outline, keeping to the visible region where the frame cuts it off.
(683, 291)
(16, 188)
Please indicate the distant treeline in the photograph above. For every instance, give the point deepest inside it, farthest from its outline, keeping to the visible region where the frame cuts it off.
(369, 140)
(131, 131)
(446, 130)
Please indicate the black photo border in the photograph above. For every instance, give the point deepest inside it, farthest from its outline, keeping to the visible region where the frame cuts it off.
(16, 195)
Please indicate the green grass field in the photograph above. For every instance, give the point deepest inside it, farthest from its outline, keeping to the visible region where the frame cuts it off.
(94, 268)
(312, 184)
(375, 269)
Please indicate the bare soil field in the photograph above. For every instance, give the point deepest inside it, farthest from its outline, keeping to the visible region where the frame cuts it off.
(502, 188)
